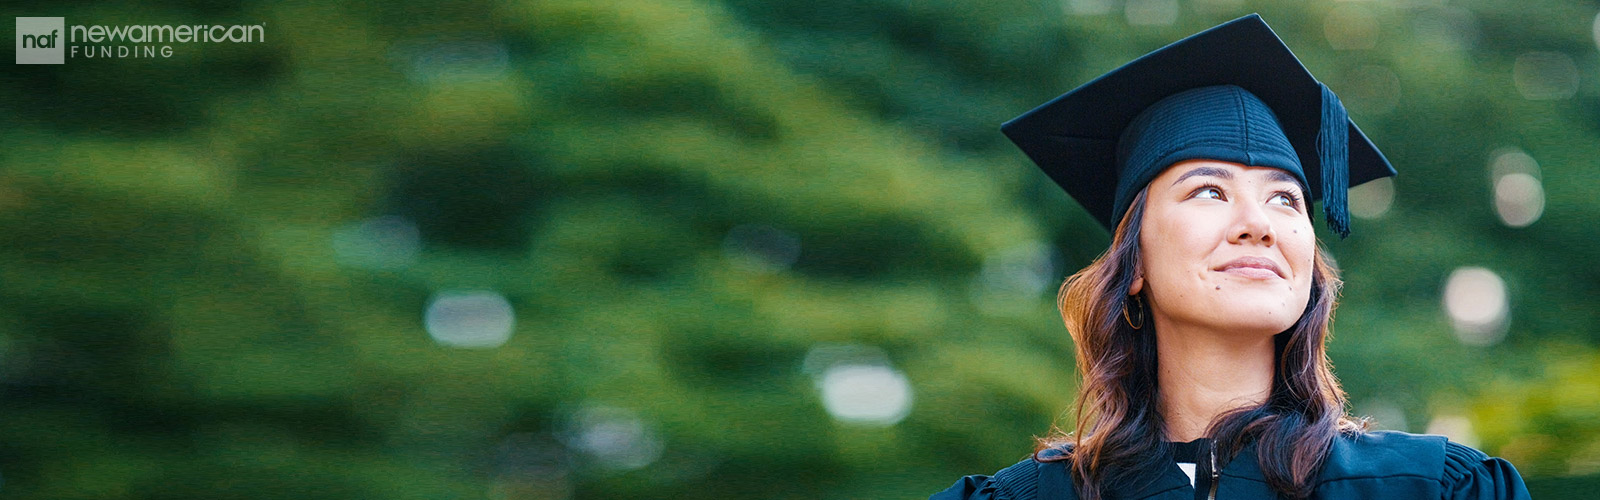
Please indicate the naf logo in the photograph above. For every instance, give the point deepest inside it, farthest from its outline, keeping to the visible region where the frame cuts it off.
(41, 40)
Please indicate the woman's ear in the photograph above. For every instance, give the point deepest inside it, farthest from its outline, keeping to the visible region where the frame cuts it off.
(1138, 283)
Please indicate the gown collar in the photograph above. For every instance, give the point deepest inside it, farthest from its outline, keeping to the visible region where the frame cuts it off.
(1167, 476)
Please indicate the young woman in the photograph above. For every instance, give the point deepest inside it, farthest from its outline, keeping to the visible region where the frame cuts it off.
(1200, 333)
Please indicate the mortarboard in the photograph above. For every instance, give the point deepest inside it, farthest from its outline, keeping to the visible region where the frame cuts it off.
(1231, 93)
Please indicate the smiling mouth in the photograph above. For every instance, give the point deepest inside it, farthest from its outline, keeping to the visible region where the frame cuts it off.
(1252, 268)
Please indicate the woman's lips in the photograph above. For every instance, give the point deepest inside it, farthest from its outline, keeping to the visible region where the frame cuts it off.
(1253, 268)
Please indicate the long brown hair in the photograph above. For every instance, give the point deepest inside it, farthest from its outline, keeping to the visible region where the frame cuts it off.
(1119, 428)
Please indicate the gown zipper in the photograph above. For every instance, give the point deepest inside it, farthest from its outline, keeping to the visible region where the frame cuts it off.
(1211, 451)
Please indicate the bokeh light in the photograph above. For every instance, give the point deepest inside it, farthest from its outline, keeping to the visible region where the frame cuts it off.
(858, 385)
(1475, 298)
(1596, 30)
(1372, 199)
(871, 395)
(1011, 281)
(1510, 160)
(471, 319)
(613, 438)
(1456, 427)
(1518, 199)
(1518, 190)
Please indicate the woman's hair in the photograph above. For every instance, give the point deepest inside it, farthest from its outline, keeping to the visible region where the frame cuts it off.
(1119, 422)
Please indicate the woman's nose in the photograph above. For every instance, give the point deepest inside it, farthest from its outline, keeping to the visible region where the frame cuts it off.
(1251, 225)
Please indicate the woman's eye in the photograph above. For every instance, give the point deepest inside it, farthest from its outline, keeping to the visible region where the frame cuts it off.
(1210, 193)
(1285, 200)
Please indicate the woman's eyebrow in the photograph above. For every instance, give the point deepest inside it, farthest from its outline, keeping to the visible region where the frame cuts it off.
(1281, 176)
(1211, 171)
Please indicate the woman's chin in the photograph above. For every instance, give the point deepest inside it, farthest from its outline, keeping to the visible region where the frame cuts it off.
(1270, 315)
(1261, 328)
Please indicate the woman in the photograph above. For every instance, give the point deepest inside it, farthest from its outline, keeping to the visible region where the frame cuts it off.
(1200, 333)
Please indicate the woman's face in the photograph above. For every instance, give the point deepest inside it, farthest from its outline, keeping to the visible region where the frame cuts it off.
(1226, 247)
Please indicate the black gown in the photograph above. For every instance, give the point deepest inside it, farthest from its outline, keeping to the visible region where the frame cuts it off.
(1371, 465)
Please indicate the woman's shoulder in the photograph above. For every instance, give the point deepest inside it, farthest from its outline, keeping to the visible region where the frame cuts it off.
(1394, 457)
(1385, 453)
(1020, 481)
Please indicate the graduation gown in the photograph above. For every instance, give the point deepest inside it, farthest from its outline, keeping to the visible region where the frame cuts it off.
(1371, 465)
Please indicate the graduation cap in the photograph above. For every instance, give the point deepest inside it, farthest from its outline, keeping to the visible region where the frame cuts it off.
(1230, 93)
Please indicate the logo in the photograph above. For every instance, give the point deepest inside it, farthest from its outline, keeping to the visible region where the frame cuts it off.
(41, 40)
(48, 40)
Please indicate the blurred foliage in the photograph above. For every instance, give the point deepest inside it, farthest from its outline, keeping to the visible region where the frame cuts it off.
(680, 200)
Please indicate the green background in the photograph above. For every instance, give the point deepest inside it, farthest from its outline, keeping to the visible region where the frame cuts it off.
(215, 268)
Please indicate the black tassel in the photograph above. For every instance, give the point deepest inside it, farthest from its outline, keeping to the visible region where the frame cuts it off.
(1333, 150)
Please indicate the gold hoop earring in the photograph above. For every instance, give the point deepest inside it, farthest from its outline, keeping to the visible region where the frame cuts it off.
(1125, 315)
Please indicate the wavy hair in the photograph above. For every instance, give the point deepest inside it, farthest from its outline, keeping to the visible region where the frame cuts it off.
(1119, 426)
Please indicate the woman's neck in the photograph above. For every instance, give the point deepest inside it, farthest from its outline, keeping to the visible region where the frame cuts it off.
(1205, 373)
